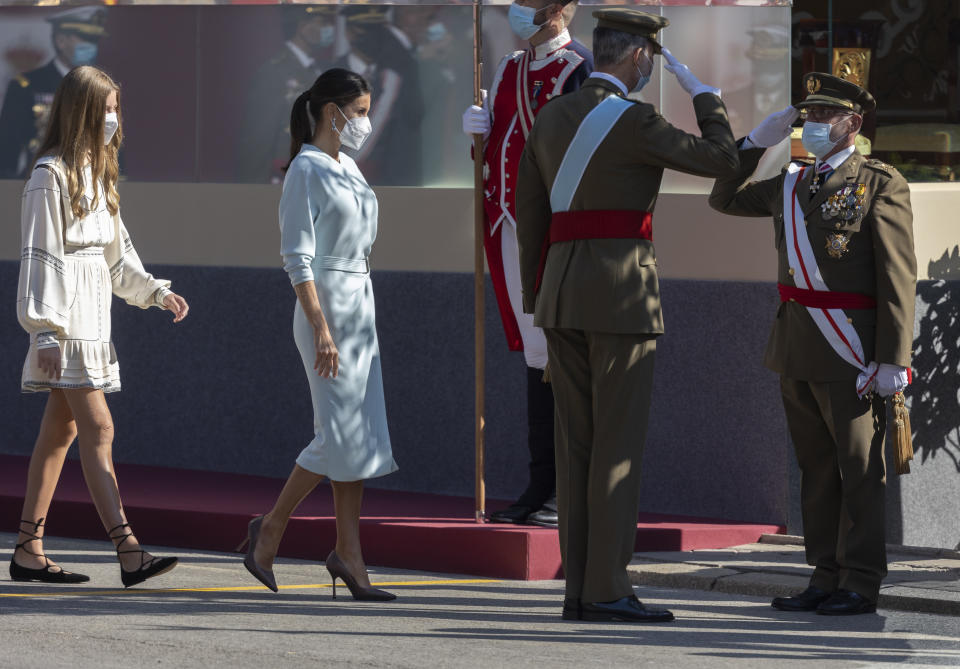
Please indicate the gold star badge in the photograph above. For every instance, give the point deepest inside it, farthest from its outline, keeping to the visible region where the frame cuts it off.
(837, 245)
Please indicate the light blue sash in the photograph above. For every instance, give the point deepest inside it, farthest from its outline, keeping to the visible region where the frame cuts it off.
(592, 131)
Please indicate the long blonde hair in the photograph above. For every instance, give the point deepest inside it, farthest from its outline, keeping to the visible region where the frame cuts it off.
(75, 135)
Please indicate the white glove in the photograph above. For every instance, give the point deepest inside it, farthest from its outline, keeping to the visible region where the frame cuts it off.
(476, 120)
(685, 77)
(891, 379)
(773, 129)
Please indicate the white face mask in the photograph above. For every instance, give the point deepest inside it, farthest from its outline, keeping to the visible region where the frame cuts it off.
(355, 130)
(110, 125)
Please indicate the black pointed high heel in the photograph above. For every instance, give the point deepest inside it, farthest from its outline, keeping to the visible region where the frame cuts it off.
(265, 576)
(44, 574)
(338, 569)
(154, 566)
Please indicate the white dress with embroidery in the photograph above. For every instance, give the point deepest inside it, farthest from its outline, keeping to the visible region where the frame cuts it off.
(69, 268)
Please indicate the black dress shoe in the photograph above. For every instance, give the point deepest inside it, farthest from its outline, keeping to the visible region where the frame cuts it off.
(627, 609)
(808, 600)
(544, 518)
(846, 603)
(571, 609)
(515, 514)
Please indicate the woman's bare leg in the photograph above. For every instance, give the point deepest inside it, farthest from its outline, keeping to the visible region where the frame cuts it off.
(95, 432)
(57, 432)
(347, 498)
(299, 484)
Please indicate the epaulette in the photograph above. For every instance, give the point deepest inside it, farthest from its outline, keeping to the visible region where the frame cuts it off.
(23, 81)
(881, 166)
(515, 56)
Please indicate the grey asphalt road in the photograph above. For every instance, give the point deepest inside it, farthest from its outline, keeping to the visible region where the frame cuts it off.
(210, 613)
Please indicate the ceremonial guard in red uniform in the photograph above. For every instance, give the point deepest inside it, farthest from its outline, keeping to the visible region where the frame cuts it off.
(524, 82)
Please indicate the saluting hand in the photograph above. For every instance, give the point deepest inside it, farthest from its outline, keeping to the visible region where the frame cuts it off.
(328, 357)
(774, 129)
(685, 77)
(177, 305)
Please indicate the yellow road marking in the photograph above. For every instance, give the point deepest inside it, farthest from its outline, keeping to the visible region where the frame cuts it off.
(309, 586)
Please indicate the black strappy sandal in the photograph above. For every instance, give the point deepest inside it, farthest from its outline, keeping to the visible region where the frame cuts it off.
(149, 567)
(45, 574)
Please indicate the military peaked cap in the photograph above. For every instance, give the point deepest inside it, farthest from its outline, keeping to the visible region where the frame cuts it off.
(829, 91)
(632, 21)
(87, 22)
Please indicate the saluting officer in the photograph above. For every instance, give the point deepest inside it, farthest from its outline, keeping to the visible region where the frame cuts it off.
(588, 183)
(76, 36)
(842, 336)
(310, 33)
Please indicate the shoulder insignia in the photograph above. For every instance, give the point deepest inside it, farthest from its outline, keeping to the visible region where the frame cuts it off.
(881, 166)
(515, 56)
(22, 80)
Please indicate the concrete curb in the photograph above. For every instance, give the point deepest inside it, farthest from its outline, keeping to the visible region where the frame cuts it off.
(920, 580)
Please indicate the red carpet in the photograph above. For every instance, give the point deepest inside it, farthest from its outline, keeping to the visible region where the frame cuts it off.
(210, 511)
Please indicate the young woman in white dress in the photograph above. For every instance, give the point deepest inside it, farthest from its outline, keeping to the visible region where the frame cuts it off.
(328, 222)
(76, 255)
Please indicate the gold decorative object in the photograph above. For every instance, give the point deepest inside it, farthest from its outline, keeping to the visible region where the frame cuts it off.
(813, 85)
(852, 64)
(837, 245)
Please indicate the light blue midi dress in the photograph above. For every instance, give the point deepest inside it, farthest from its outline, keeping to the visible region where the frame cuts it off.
(328, 222)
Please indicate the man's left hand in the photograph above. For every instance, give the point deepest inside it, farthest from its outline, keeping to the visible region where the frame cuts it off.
(891, 379)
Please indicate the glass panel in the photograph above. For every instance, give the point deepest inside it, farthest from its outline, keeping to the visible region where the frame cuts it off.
(219, 112)
(910, 50)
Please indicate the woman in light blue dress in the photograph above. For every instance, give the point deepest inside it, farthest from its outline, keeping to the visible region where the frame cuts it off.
(328, 222)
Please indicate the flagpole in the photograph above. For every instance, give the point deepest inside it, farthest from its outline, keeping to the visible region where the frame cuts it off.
(479, 287)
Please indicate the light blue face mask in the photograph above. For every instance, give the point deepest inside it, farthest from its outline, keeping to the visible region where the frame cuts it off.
(644, 78)
(522, 21)
(436, 32)
(816, 138)
(84, 53)
(327, 35)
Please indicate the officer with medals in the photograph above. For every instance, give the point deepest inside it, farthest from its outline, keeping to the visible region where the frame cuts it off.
(842, 336)
(588, 183)
(264, 150)
(76, 35)
(524, 82)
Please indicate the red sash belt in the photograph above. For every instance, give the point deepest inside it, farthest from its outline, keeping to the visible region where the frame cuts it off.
(569, 226)
(825, 299)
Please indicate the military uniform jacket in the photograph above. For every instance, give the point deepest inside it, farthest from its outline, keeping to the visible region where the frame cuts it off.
(265, 147)
(28, 98)
(607, 285)
(879, 261)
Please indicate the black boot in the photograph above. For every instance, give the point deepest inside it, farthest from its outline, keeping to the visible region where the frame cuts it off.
(543, 472)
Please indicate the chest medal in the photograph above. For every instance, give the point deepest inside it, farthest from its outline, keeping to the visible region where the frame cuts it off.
(844, 205)
(837, 245)
(537, 87)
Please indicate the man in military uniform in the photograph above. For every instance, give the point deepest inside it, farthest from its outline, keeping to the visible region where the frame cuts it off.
(841, 340)
(383, 55)
(76, 34)
(524, 82)
(589, 179)
(310, 33)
